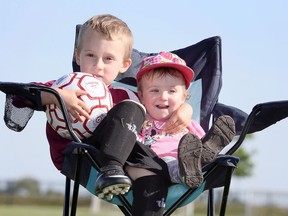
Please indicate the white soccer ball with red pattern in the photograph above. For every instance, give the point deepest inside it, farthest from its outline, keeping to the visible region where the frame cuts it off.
(98, 99)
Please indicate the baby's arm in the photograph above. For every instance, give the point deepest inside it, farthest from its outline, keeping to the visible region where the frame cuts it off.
(180, 119)
(76, 107)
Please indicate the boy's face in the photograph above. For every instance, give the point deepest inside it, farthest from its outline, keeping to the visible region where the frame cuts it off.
(162, 95)
(102, 57)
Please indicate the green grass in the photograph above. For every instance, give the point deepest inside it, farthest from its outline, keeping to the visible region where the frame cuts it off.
(111, 210)
(12, 210)
(33, 210)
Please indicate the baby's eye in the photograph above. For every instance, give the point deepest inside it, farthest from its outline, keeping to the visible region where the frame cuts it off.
(90, 55)
(172, 91)
(154, 90)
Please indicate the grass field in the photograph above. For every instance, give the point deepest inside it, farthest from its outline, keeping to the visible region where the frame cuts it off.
(111, 210)
(32, 210)
(12, 210)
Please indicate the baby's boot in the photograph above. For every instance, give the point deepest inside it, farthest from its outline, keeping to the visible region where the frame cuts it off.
(189, 159)
(220, 134)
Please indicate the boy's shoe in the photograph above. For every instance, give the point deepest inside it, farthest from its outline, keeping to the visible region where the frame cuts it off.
(220, 134)
(112, 181)
(189, 157)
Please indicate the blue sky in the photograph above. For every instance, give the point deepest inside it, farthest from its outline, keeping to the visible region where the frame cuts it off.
(37, 44)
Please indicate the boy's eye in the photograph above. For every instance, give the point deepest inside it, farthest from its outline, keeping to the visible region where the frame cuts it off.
(109, 58)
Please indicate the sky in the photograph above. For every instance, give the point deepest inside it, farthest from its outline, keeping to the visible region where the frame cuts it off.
(37, 39)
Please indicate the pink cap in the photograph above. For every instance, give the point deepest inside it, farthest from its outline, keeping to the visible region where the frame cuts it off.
(166, 59)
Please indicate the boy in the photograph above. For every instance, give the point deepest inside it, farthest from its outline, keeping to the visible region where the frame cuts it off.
(163, 81)
(103, 48)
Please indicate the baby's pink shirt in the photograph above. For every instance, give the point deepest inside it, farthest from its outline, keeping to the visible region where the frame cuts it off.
(164, 144)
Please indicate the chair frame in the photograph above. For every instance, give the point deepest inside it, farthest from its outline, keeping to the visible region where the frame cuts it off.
(24, 89)
(256, 115)
(126, 208)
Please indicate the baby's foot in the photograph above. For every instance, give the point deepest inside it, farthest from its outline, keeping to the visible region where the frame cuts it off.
(220, 134)
(189, 156)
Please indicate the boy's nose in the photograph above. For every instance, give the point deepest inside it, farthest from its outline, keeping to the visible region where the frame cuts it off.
(98, 64)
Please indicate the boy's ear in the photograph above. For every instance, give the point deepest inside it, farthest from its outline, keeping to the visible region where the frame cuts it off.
(77, 57)
(126, 65)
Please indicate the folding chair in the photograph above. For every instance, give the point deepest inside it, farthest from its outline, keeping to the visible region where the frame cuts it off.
(205, 59)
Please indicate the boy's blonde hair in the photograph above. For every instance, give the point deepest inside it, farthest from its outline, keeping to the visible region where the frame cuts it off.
(111, 28)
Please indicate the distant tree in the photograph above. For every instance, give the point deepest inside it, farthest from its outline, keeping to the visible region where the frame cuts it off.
(25, 186)
(246, 165)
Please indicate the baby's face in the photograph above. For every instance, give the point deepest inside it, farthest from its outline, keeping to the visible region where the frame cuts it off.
(162, 95)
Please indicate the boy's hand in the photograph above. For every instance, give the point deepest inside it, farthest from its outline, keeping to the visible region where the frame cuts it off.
(76, 107)
(180, 119)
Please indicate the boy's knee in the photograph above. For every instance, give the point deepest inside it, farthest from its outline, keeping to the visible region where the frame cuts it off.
(131, 105)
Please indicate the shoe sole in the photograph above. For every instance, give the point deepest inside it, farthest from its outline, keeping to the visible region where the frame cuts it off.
(189, 156)
(113, 190)
(221, 134)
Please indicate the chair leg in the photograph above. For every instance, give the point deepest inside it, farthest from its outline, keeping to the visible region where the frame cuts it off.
(226, 192)
(125, 211)
(76, 184)
(179, 202)
(210, 207)
(126, 208)
(67, 197)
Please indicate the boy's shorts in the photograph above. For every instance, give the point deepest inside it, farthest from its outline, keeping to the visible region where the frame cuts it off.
(144, 157)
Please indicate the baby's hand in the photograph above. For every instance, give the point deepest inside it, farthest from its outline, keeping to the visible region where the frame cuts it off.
(179, 120)
(76, 107)
(175, 124)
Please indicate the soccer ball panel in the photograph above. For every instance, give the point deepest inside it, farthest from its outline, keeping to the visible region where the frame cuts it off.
(98, 99)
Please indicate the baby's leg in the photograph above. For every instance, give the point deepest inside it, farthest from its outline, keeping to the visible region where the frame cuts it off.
(173, 168)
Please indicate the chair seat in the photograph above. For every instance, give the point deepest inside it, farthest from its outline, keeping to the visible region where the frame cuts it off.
(216, 178)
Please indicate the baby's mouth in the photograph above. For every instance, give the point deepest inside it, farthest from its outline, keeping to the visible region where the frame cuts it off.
(162, 106)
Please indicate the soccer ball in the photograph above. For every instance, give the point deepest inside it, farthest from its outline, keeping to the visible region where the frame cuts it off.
(98, 99)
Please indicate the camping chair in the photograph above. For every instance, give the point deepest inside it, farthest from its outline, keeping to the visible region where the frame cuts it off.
(205, 59)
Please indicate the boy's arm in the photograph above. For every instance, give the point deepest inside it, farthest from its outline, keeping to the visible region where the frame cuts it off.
(180, 119)
(76, 107)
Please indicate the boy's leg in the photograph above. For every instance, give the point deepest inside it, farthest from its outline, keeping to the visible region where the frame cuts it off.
(220, 134)
(150, 187)
(189, 159)
(115, 136)
(149, 196)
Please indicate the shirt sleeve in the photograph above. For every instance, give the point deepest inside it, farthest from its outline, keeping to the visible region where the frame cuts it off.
(195, 128)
